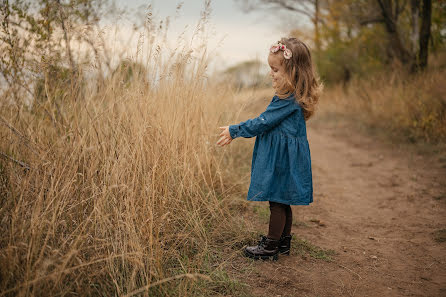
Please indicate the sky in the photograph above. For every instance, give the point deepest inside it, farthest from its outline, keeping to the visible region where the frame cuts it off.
(236, 36)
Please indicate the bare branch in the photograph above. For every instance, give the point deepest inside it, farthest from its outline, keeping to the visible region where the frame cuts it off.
(371, 20)
(286, 5)
(66, 38)
(399, 9)
(385, 9)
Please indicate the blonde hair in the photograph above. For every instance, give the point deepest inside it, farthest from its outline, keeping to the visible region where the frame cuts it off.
(301, 78)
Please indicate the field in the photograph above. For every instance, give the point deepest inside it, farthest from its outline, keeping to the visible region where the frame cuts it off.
(114, 186)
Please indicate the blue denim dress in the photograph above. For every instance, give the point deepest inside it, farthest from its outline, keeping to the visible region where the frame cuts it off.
(281, 161)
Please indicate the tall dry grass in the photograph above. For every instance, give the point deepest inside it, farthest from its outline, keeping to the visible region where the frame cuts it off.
(409, 107)
(122, 191)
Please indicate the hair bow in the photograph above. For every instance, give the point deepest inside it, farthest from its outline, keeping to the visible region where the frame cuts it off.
(287, 54)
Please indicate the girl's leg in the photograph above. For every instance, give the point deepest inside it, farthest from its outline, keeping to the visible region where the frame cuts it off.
(288, 221)
(277, 220)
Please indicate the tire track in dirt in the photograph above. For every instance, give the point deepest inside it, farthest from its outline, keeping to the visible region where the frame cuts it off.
(378, 207)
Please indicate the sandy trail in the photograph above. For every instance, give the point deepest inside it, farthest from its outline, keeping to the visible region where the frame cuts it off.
(378, 207)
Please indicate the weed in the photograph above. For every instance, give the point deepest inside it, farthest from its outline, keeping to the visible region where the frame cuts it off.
(298, 223)
(303, 247)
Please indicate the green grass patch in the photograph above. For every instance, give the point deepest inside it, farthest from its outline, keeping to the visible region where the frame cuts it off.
(298, 223)
(223, 285)
(303, 247)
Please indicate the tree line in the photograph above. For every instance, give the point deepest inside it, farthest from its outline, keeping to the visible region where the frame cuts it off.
(357, 36)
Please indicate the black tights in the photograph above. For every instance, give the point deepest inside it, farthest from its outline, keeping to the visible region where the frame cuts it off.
(280, 220)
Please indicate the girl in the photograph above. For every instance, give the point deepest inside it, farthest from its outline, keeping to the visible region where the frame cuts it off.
(281, 163)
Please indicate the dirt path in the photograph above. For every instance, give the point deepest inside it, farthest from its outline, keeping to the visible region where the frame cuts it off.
(379, 210)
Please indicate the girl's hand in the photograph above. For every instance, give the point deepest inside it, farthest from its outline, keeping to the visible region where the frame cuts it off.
(225, 136)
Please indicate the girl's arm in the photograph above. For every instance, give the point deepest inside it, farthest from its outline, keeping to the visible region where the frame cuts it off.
(276, 112)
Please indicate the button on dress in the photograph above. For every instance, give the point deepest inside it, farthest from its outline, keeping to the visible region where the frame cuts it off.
(281, 160)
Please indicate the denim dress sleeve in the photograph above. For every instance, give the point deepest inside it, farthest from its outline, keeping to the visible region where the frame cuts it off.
(276, 112)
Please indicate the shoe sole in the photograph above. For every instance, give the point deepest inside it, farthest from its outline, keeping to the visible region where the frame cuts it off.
(259, 257)
(284, 251)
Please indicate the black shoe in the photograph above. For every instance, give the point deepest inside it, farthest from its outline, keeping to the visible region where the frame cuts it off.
(285, 244)
(267, 248)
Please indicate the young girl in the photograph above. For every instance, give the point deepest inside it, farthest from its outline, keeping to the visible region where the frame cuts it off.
(281, 163)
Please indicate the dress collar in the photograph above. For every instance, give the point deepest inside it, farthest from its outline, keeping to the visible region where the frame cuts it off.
(286, 98)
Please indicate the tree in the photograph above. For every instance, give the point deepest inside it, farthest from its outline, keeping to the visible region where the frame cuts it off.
(308, 8)
(407, 25)
(32, 47)
(388, 12)
(425, 34)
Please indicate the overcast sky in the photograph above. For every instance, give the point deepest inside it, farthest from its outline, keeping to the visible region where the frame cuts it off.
(237, 36)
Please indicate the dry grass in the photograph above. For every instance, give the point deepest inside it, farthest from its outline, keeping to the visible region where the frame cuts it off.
(125, 190)
(116, 187)
(412, 108)
(129, 194)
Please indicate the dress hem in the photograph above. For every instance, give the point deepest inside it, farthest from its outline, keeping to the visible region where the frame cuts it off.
(288, 202)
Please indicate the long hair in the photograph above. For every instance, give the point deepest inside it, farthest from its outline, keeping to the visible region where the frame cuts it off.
(301, 78)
